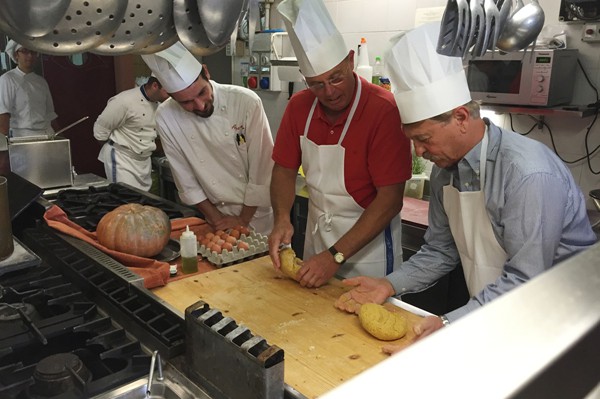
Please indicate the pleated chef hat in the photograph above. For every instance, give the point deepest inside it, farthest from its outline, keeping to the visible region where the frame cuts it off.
(318, 45)
(11, 49)
(175, 68)
(426, 84)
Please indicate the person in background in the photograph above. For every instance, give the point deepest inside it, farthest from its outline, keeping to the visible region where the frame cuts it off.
(128, 131)
(217, 140)
(502, 204)
(26, 107)
(347, 135)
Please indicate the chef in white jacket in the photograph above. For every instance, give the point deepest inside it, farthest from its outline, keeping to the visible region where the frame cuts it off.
(217, 140)
(128, 131)
(26, 107)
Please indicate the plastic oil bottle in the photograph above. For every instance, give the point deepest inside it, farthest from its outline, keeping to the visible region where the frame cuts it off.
(364, 69)
(377, 71)
(189, 251)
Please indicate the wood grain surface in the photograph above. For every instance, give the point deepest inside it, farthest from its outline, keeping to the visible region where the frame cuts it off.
(323, 345)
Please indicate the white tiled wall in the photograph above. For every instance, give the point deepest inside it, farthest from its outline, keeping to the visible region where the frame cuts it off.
(379, 20)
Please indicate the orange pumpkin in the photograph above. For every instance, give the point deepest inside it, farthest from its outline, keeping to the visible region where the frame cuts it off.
(135, 229)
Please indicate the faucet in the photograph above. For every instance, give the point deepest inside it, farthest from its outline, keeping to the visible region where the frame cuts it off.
(155, 362)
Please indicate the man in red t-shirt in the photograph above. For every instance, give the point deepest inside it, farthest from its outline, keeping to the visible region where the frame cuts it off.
(347, 135)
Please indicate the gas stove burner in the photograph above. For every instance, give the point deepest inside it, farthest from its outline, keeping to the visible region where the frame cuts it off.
(87, 207)
(60, 373)
(10, 311)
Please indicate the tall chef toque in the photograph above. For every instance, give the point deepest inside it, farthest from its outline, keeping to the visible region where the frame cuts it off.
(426, 84)
(11, 48)
(175, 68)
(318, 45)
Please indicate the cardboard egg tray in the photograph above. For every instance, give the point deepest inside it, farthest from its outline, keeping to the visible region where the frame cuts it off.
(257, 243)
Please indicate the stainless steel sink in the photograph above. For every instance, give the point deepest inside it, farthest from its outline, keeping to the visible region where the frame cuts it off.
(160, 390)
(170, 383)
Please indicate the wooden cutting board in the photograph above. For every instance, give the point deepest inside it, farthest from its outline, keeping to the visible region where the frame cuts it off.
(323, 345)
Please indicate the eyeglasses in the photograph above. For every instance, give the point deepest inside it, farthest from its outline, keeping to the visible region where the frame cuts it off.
(335, 81)
(25, 51)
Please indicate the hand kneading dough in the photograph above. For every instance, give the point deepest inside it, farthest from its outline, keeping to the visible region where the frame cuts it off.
(289, 263)
(381, 323)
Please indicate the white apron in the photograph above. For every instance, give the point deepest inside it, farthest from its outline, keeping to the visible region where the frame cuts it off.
(332, 211)
(481, 255)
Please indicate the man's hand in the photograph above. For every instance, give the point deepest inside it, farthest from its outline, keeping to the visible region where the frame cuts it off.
(427, 326)
(281, 235)
(367, 290)
(317, 270)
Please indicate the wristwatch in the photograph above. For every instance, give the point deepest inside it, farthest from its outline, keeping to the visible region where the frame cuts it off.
(338, 257)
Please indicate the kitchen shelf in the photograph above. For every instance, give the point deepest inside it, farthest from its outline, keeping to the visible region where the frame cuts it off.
(574, 111)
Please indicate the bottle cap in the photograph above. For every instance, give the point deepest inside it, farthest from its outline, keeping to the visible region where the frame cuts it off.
(187, 232)
(173, 270)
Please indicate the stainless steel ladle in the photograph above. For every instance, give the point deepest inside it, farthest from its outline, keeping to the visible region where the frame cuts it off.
(522, 27)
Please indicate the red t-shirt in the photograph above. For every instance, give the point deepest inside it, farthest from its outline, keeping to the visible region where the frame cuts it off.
(377, 151)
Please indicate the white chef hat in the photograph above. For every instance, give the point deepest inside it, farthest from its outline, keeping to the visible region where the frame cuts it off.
(426, 84)
(175, 67)
(317, 43)
(11, 49)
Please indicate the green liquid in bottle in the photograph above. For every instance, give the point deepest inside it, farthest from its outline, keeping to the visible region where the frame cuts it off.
(189, 265)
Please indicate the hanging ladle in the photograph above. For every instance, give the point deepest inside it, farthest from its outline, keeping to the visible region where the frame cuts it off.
(522, 27)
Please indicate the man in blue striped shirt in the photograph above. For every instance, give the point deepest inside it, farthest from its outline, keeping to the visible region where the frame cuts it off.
(503, 205)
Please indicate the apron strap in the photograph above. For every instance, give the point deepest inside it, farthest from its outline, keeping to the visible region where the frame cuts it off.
(350, 115)
(482, 161)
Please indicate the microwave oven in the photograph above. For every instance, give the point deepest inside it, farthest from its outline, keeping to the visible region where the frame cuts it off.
(542, 78)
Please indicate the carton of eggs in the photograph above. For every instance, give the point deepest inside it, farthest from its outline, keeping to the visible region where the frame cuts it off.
(223, 248)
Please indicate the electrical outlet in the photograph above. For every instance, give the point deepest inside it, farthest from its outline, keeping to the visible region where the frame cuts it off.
(591, 33)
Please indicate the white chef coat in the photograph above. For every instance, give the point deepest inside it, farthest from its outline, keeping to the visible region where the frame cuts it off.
(26, 97)
(128, 124)
(225, 158)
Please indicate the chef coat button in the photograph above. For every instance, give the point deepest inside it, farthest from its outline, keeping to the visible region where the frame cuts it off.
(202, 161)
(241, 176)
(222, 203)
(213, 182)
(226, 133)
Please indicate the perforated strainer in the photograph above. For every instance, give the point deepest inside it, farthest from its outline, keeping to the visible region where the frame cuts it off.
(33, 18)
(140, 26)
(190, 30)
(85, 25)
(165, 35)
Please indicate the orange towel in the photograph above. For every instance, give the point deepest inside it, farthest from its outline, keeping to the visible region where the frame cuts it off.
(155, 273)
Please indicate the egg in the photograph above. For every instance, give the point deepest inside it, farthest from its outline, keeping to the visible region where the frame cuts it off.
(231, 240)
(244, 230)
(215, 238)
(209, 235)
(220, 242)
(205, 241)
(227, 246)
(243, 245)
(216, 248)
(235, 233)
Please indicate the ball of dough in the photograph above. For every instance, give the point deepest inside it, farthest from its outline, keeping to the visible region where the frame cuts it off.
(290, 265)
(381, 323)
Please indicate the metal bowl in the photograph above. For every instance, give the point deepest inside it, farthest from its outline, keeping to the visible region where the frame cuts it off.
(595, 194)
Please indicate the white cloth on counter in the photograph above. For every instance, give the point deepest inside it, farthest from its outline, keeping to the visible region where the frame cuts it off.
(26, 97)
(129, 122)
(225, 158)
